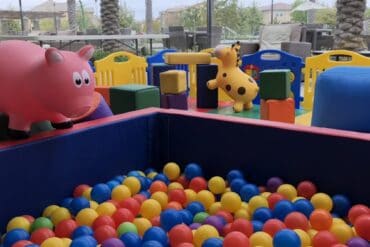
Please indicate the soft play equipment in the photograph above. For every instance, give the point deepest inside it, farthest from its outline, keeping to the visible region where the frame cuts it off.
(175, 101)
(238, 85)
(278, 110)
(173, 81)
(206, 98)
(38, 84)
(156, 70)
(342, 96)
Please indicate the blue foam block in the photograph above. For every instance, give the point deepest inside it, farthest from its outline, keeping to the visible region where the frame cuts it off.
(206, 98)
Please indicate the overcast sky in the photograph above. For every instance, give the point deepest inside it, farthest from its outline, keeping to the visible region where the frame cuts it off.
(138, 6)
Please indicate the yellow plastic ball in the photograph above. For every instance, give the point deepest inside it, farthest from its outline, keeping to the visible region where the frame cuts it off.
(53, 242)
(151, 175)
(260, 239)
(141, 173)
(257, 202)
(106, 208)
(203, 233)
(150, 208)
(190, 195)
(175, 186)
(206, 198)
(214, 208)
(266, 194)
(171, 170)
(231, 202)
(66, 242)
(245, 206)
(311, 233)
(87, 193)
(142, 225)
(120, 193)
(133, 184)
(160, 197)
(322, 201)
(18, 222)
(86, 217)
(338, 221)
(94, 204)
(242, 214)
(59, 215)
(217, 185)
(49, 210)
(288, 190)
(343, 232)
(305, 238)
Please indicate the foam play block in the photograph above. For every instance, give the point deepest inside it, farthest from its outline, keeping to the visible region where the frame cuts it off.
(173, 82)
(206, 98)
(275, 84)
(104, 91)
(187, 58)
(174, 101)
(278, 110)
(132, 97)
(157, 69)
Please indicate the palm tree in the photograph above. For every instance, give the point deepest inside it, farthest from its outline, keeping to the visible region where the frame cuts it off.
(71, 9)
(350, 17)
(109, 12)
(148, 16)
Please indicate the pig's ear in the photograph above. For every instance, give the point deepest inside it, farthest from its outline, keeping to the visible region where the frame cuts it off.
(53, 56)
(86, 52)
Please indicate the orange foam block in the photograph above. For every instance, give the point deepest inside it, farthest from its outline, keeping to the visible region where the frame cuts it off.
(104, 91)
(278, 110)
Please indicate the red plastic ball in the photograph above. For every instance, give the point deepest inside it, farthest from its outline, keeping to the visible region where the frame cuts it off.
(185, 245)
(41, 234)
(324, 239)
(157, 186)
(234, 239)
(65, 228)
(227, 229)
(122, 215)
(103, 220)
(139, 198)
(274, 198)
(156, 221)
(183, 181)
(296, 220)
(174, 205)
(103, 233)
(177, 195)
(228, 217)
(362, 226)
(272, 226)
(22, 243)
(180, 234)
(79, 190)
(306, 189)
(242, 225)
(356, 211)
(197, 184)
(30, 218)
(131, 204)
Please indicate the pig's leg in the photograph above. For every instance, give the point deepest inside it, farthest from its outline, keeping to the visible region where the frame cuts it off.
(19, 128)
(59, 121)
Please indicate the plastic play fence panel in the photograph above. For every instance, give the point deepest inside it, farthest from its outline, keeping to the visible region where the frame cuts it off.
(113, 70)
(317, 64)
(275, 59)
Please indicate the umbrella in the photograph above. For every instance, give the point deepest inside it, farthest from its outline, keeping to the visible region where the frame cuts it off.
(306, 6)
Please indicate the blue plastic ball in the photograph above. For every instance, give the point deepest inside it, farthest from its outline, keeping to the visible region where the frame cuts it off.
(233, 174)
(131, 239)
(161, 177)
(133, 174)
(286, 238)
(84, 241)
(257, 226)
(304, 206)
(78, 204)
(193, 170)
(82, 231)
(170, 218)
(195, 207)
(187, 216)
(248, 191)
(157, 234)
(100, 193)
(237, 184)
(152, 243)
(113, 183)
(341, 205)
(145, 193)
(15, 235)
(213, 242)
(282, 209)
(119, 178)
(66, 202)
(262, 214)
(145, 183)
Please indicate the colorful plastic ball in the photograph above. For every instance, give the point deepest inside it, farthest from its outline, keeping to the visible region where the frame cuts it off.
(195, 226)
(14, 236)
(237, 184)
(133, 183)
(195, 207)
(180, 234)
(94, 205)
(288, 190)
(262, 214)
(131, 239)
(119, 178)
(66, 202)
(233, 174)
(324, 239)
(243, 226)
(142, 225)
(126, 227)
(257, 202)
(231, 202)
(236, 239)
(41, 222)
(161, 177)
(18, 223)
(214, 208)
(157, 234)
(160, 197)
(130, 204)
(342, 232)
(79, 190)
(87, 193)
(156, 221)
(59, 215)
(170, 218)
(274, 198)
(200, 217)
(100, 193)
(248, 191)
(304, 206)
(356, 211)
(177, 195)
(206, 198)
(174, 205)
(306, 189)
(22, 243)
(321, 219)
(257, 225)
(82, 231)
(282, 209)
(172, 170)
(242, 214)
(106, 208)
(65, 228)
(104, 232)
(357, 242)
(122, 215)
(103, 220)
(86, 217)
(213, 242)
(183, 181)
(272, 226)
(150, 208)
(260, 239)
(216, 221)
(157, 186)
(113, 242)
(341, 205)
(227, 216)
(30, 218)
(186, 216)
(84, 241)
(152, 243)
(273, 184)
(296, 220)
(174, 186)
(203, 233)
(197, 184)
(322, 201)
(79, 203)
(53, 242)
(41, 234)
(192, 170)
(217, 185)
(113, 184)
(286, 238)
(121, 192)
(305, 238)
(362, 226)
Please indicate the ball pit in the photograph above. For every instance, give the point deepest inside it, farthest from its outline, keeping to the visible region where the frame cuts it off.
(184, 209)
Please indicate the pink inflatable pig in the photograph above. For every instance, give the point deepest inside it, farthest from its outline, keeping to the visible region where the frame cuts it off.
(38, 84)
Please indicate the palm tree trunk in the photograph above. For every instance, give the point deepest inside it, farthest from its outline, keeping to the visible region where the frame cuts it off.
(148, 16)
(109, 11)
(71, 10)
(350, 17)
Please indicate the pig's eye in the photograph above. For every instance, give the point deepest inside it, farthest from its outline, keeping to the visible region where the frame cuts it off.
(77, 79)
(85, 77)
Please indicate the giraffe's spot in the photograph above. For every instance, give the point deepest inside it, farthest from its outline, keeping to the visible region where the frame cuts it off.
(241, 90)
(224, 74)
(228, 87)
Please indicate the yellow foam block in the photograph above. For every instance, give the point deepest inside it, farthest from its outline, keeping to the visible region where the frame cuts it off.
(187, 58)
(173, 81)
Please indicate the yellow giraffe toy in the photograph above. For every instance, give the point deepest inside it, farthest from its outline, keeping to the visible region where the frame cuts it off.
(237, 84)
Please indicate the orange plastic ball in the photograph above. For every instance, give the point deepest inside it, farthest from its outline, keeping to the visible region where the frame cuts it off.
(157, 186)
(321, 219)
(296, 220)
